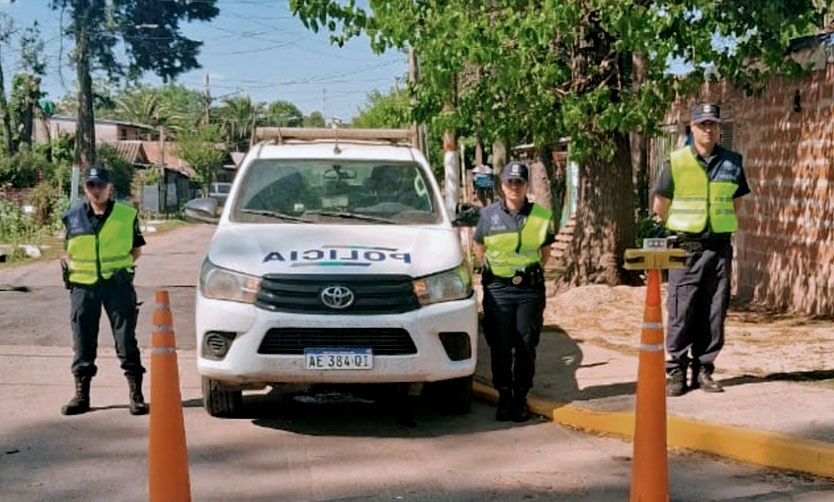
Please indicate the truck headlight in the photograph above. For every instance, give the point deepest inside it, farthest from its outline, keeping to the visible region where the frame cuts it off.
(455, 284)
(221, 284)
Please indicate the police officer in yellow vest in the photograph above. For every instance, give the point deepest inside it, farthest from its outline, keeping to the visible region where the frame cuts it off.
(512, 245)
(103, 242)
(698, 195)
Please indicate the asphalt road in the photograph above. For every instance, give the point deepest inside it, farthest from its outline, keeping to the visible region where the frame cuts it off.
(290, 446)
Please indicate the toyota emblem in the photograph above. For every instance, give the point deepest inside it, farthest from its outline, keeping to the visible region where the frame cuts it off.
(337, 297)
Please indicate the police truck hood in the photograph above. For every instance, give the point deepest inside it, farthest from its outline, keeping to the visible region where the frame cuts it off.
(259, 249)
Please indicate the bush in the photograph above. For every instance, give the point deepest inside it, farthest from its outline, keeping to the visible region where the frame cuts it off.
(23, 169)
(49, 204)
(16, 226)
(121, 171)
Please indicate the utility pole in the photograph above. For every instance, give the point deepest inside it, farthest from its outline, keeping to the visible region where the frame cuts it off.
(208, 102)
(414, 78)
(163, 182)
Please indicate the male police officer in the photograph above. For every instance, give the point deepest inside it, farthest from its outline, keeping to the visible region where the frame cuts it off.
(103, 242)
(698, 196)
(512, 245)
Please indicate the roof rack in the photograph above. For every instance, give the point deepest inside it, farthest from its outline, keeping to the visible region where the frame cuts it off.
(283, 134)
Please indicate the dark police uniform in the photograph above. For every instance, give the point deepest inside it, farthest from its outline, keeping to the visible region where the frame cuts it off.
(99, 272)
(699, 295)
(116, 293)
(514, 301)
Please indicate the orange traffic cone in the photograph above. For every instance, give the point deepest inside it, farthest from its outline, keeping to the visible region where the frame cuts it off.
(167, 452)
(650, 470)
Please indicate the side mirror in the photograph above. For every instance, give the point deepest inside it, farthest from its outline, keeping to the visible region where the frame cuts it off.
(467, 215)
(202, 209)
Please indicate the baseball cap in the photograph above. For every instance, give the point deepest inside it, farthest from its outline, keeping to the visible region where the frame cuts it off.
(704, 112)
(514, 171)
(97, 175)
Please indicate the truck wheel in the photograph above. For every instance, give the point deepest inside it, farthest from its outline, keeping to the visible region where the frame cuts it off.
(454, 396)
(220, 402)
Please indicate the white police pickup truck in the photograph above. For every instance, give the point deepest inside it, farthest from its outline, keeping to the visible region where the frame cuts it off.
(335, 261)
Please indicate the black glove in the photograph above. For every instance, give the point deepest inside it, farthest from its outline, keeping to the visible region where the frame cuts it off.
(658, 230)
(65, 274)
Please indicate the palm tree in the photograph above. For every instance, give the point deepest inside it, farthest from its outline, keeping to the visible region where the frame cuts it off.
(238, 117)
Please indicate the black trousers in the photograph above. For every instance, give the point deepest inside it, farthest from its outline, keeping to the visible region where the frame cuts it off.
(698, 299)
(513, 318)
(119, 300)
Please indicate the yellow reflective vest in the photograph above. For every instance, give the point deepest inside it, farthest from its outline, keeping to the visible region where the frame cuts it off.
(697, 200)
(508, 252)
(98, 255)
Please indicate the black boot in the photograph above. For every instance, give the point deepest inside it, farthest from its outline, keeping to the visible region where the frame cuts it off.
(519, 411)
(80, 403)
(137, 401)
(706, 383)
(676, 382)
(505, 405)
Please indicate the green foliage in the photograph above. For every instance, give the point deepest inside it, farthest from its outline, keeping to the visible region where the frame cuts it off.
(19, 227)
(238, 116)
(150, 38)
(315, 119)
(16, 226)
(23, 169)
(384, 111)
(121, 171)
(521, 71)
(648, 227)
(199, 148)
(541, 70)
(283, 114)
(49, 204)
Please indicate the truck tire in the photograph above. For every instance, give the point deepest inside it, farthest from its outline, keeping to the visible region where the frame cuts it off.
(220, 402)
(453, 396)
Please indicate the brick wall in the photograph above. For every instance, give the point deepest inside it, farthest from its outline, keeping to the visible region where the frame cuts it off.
(785, 243)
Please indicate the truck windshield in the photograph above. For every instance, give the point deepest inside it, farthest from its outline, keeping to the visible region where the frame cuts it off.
(321, 191)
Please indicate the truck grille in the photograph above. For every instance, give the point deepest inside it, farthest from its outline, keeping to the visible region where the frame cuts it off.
(370, 294)
(293, 341)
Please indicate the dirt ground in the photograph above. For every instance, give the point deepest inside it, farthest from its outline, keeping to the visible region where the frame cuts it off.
(757, 344)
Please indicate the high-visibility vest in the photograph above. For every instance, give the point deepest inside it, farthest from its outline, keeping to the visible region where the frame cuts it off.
(98, 255)
(697, 200)
(509, 252)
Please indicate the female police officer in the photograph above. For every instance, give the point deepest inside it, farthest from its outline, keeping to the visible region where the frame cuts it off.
(512, 245)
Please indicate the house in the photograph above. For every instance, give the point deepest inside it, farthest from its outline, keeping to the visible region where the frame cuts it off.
(134, 142)
(107, 131)
(784, 248)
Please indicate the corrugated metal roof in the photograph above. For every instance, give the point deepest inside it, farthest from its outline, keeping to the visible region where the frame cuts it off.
(131, 150)
(167, 157)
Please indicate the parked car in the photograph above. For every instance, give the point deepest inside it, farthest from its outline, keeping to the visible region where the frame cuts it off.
(335, 262)
(220, 192)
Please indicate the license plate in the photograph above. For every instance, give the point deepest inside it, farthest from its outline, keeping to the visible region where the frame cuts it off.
(338, 359)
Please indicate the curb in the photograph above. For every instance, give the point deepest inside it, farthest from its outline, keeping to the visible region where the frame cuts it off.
(738, 443)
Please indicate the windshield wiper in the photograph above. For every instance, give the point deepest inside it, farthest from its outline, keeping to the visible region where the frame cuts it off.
(276, 214)
(356, 216)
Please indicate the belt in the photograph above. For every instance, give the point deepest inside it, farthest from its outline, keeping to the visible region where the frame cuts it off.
(696, 245)
(532, 277)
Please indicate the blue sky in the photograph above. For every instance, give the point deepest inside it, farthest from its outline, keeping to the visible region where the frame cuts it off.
(253, 47)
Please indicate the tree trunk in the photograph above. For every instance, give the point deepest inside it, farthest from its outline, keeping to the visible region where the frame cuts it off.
(85, 132)
(558, 176)
(8, 141)
(604, 222)
(27, 118)
(639, 142)
(640, 161)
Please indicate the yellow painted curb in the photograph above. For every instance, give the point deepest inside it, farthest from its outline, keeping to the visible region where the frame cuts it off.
(757, 447)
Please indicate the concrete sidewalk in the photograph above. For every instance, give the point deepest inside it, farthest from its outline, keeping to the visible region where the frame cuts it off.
(772, 422)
